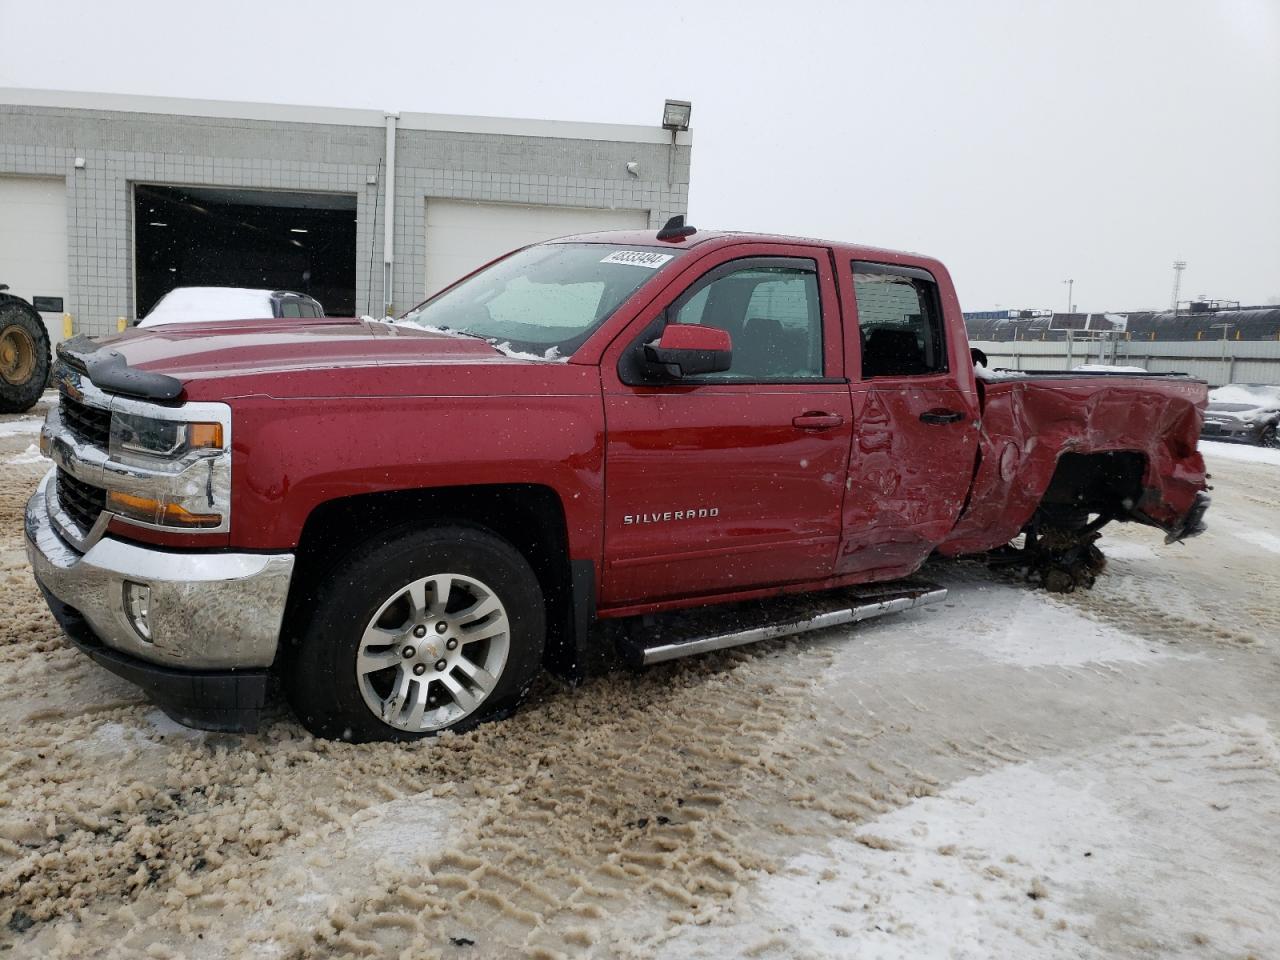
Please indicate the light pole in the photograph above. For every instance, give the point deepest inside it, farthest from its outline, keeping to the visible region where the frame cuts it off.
(1227, 364)
(1178, 267)
(1071, 307)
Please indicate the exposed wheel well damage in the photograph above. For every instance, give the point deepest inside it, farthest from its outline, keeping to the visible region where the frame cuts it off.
(1105, 484)
(529, 516)
(1086, 492)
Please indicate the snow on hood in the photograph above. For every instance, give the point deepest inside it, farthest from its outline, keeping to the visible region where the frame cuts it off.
(203, 304)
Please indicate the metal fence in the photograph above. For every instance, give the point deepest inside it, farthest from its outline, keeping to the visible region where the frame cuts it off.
(1217, 361)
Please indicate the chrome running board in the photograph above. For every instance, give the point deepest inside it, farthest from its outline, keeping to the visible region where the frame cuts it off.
(670, 636)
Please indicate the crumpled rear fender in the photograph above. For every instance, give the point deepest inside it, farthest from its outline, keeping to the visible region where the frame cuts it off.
(1027, 425)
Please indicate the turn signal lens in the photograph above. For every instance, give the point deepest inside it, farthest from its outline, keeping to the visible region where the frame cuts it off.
(158, 512)
(205, 436)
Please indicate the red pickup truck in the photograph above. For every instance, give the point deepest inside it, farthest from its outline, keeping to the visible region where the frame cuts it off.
(405, 521)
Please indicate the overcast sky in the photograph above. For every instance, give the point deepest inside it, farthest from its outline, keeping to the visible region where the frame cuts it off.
(1021, 142)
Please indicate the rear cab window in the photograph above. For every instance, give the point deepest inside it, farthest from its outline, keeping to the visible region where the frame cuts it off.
(900, 321)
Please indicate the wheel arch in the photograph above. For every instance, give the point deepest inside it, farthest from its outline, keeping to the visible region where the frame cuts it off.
(531, 517)
(1107, 483)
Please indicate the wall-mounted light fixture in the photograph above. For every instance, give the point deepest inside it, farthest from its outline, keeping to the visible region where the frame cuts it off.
(675, 115)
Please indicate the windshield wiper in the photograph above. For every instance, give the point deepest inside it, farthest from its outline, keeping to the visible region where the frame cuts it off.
(467, 333)
(444, 329)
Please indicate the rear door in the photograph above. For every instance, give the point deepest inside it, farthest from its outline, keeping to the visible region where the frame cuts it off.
(733, 480)
(915, 435)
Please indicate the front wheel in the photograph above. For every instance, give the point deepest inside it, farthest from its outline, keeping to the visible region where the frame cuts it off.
(1270, 437)
(438, 629)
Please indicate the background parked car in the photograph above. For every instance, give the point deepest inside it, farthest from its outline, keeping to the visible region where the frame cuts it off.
(205, 304)
(1245, 412)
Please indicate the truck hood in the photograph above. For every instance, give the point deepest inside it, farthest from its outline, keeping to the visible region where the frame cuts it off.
(193, 351)
(325, 357)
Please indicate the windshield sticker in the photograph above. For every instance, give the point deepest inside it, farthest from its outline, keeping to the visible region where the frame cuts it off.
(638, 258)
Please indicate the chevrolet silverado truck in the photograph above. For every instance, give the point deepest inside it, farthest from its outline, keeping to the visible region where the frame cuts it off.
(404, 521)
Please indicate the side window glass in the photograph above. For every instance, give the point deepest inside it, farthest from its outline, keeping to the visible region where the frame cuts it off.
(289, 308)
(899, 322)
(772, 314)
(694, 307)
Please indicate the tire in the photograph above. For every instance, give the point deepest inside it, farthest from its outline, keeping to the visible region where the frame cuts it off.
(351, 677)
(24, 356)
(1270, 437)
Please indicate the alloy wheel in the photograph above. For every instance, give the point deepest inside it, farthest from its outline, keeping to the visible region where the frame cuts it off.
(433, 652)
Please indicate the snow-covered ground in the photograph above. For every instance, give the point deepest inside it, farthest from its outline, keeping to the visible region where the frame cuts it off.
(1239, 452)
(20, 426)
(1006, 774)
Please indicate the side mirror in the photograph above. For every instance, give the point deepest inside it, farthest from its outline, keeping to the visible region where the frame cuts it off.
(689, 349)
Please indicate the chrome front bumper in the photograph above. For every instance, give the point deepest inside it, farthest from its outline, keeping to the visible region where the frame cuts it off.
(207, 611)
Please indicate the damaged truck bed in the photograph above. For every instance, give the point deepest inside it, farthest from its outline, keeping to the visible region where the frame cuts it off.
(1062, 454)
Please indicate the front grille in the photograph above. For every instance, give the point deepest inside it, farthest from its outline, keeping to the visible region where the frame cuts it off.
(89, 424)
(81, 501)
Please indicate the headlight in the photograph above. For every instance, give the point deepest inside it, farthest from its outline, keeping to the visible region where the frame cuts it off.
(166, 439)
(172, 473)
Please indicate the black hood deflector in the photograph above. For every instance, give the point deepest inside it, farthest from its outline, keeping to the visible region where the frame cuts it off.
(108, 370)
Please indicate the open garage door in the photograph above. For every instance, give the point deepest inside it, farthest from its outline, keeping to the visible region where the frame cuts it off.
(272, 239)
(462, 235)
(33, 245)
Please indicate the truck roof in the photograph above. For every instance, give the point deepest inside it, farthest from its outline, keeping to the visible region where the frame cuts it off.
(726, 237)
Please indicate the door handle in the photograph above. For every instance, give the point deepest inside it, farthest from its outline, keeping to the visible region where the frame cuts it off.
(817, 421)
(941, 416)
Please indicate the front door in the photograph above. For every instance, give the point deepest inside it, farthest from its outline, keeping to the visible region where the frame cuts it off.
(733, 480)
(915, 440)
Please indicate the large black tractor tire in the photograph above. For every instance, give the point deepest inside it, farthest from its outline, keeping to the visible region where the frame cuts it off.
(394, 648)
(24, 355)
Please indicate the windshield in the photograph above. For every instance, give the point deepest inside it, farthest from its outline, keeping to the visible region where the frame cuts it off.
(545, 299)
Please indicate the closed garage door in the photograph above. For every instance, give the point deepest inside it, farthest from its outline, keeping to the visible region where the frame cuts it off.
(462, 236)
(33, 243)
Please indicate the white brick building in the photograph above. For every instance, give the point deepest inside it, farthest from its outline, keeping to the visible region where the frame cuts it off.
(106, 201)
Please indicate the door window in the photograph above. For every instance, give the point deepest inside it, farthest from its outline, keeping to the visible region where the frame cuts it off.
(771, 311)
(899, 322)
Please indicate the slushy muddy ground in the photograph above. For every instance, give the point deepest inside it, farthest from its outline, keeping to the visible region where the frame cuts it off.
(1008, 774)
